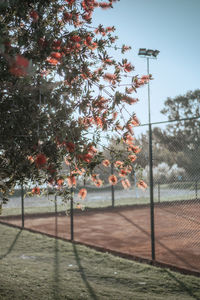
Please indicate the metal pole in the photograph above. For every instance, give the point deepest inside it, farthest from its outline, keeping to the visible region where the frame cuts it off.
(72, 215)
(22, 203)
(112, 187)
(196, 189)
(159, 192)
(55, 200)
(151, 173)
(56, 216)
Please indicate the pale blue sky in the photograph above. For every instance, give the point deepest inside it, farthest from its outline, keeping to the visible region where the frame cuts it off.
(171, 26)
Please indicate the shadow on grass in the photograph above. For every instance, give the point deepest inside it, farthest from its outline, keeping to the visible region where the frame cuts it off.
(182, 285)
(83, 275)
(56, 275)
(12, 245)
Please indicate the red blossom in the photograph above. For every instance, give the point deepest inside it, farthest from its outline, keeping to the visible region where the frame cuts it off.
(34, 15)
(70, 147)
(52, 61)
(129, 100)
(70, 2)
(67, 16)
(105, 5)
(126, 184)
(56, 55)
(142, 185)
(40, 160)
(36, 190)
(106, 163)
(71, 180)
(98, 182)
(132, 157)
(118, 164)
(112, 179)
(56, 44)
(82, 193)
(110, 77)
(20, 66)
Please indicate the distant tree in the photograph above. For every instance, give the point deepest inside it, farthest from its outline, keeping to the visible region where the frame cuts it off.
(182, 138)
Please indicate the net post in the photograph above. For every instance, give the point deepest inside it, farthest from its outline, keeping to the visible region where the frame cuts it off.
(22, 203)
(112, 186)
(159, 192)
(72, 214)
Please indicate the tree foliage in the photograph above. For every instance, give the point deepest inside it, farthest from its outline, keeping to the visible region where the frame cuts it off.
(182, 138)
(53, 102)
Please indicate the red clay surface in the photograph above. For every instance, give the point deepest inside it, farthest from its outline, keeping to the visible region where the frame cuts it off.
(127, 230)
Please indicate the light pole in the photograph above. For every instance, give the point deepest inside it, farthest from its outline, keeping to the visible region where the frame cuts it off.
(148, 53)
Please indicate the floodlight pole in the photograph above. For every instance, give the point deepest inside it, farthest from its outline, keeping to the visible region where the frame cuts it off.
(148, 53)
(151, 173)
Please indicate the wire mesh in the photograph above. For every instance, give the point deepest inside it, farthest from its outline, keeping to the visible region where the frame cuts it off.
(126, 227)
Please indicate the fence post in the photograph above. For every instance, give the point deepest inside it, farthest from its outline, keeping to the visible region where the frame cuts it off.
(159, 192)
(151, 194)
(112, 186)
(55, 200)
(196, 190)
(22, 203)
(56, 217)
(72, 214)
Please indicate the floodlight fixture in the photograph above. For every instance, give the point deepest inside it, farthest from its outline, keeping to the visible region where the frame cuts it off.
(148, 53)
(142, 51)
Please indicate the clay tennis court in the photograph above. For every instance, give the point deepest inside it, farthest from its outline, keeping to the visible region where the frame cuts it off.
(127, 230)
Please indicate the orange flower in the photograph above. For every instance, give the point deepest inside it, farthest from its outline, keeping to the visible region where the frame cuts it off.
(135, 149)
(142, 185)
(87, 157)
(118, 164)
(92, 150)
(36, 190)
(71, 180)
(123, 173)
(105, 5)
(135, 121)
(106, 163)
(128, 67)
(129, 169)
(94, 177)
(130, 128)
(126, 184)
(60, 182)
(114, 115)
(78, 171)
(112, 179)
(56, 55)
(129, 139)
(98, 121)
(82, 193)
(129, 100)
(132, 157)
(98, 182)
(52, 61)
(30, 158)
(110, 77)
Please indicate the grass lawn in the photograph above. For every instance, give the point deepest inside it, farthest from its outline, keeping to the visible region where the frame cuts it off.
(34, 266)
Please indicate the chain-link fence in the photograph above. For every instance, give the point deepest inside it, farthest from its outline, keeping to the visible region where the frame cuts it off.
(160, 223)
